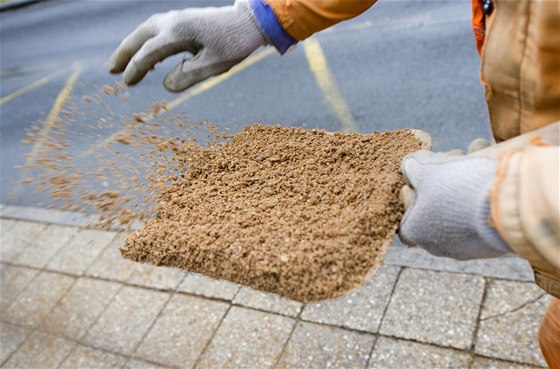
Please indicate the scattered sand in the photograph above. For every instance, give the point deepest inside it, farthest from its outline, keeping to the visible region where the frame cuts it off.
(113, 164)
(305, 214)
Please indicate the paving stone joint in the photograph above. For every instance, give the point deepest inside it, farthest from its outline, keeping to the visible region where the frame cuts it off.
(68, 300)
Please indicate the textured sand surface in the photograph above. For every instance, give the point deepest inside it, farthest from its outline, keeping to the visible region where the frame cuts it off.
(305, 214)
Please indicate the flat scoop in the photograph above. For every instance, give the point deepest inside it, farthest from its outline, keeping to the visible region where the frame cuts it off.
(306, 214)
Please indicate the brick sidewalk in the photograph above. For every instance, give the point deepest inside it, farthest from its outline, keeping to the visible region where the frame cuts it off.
(68, 300)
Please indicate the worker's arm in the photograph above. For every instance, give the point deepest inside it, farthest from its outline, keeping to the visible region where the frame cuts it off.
(302, 18)
(526, 208)
(220, 38)
(469, 207)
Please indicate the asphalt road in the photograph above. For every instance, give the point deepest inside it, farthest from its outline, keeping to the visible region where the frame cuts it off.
(402, 64)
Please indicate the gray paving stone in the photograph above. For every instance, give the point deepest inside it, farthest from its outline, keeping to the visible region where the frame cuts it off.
(125, 321)
(12, 281)
(505, 296)
(162, 278)
(81, 251)
(110, 264)
(267, 301)
(200, 285)
(317, 346)
(36, 301)
(182, 330)
(20, 236)
(362, 309)
(77, 311)
(509, 329)
(45, 245)
(139, 364)
(247, 339)
(83, 357)
(40, 350)
(397, 354)
(5, 226)
(434, 307)
(509, 267)
(483, 363)
(10, 338)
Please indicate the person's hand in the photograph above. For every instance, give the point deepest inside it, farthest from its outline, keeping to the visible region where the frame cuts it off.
(447, 205)
(218, 38)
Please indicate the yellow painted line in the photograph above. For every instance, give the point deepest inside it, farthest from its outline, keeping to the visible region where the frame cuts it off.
(192, 92)
(29, 87)
(205, 86)
(320, 68)
(54, 114)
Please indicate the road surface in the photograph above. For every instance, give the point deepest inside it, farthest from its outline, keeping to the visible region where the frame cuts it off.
(402, 64)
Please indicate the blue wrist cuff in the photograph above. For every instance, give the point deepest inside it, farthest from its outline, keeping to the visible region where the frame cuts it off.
(269, 24)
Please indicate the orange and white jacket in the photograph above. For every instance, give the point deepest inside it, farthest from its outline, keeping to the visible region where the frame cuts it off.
(519, 42)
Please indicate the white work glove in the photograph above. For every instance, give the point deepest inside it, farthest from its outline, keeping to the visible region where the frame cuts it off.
(447, 205)
(218, 38)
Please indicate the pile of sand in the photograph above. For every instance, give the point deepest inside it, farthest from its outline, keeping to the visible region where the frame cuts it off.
(305, 214)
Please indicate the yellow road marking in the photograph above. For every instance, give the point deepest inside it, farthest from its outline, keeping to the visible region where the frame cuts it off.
(194, 91)
(320, 68)
(205, 86)
(53, 116)
(29, 87)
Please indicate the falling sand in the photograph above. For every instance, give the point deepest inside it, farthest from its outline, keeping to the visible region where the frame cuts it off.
(306, 214)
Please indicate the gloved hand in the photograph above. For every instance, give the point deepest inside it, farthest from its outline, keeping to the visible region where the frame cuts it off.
(218, 38)
(447, 205)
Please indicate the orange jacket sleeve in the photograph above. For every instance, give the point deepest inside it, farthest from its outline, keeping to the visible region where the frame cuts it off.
(526, 209)
(302, 18)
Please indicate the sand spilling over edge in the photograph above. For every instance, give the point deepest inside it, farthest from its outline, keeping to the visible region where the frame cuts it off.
(106, 159)
(306, 214)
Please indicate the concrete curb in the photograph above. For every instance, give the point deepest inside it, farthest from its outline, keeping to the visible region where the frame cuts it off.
(505, 267)
(51, 216)
(511, 268)
(14, 4)
(40, 215)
